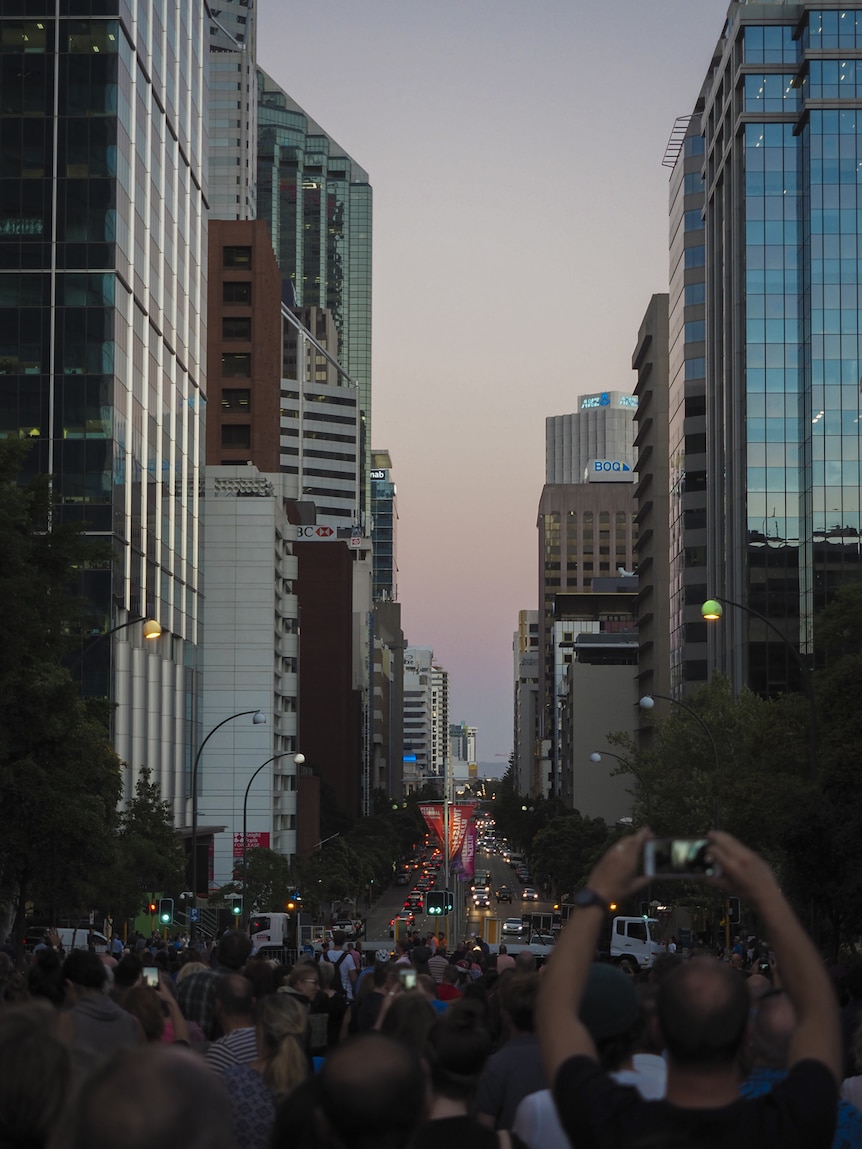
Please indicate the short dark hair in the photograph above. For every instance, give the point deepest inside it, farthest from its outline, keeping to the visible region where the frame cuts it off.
(518, 998)
(459, 1043)
(372, 1091)
(703, 1009)
(339, 937)
(85, 969)
(233, 950)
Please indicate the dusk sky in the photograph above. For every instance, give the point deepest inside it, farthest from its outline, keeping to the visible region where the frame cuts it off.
(520, 228)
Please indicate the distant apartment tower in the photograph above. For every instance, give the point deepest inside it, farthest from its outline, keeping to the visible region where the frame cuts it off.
(233, 109)
(418, 717)
(440, 716)
(526, 755)
(317, 204)
(384, 526)
(650, 361)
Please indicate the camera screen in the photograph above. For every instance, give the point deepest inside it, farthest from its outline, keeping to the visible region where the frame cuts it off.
(408, 978)
(678, 857)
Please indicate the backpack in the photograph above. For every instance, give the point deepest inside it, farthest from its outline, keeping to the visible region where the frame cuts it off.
(337, 981)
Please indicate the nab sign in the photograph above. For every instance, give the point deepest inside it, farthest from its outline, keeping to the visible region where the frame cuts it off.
(610, 471)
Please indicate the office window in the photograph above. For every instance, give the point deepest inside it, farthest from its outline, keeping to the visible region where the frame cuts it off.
(235, 328)
(236, 365)
(236, 291)
(237, 257)
(234, 399)
(236, 435)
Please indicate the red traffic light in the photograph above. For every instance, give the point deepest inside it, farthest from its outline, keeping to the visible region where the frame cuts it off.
(153, 907)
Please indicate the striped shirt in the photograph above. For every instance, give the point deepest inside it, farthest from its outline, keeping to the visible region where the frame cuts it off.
(236, 1048)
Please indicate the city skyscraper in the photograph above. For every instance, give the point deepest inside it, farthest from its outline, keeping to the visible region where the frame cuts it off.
(781, 132)
(317, 203)
(102, 258)
(586, 530)
(233, 109)
(384, 527)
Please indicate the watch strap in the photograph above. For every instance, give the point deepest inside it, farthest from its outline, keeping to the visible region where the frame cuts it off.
(586, 897)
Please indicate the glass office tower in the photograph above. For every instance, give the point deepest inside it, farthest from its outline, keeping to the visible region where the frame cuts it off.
(782, 126)
(102, 280)
(317, 204)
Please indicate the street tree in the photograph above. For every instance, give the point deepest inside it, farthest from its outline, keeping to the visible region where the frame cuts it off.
(59, 775)
(149, 852)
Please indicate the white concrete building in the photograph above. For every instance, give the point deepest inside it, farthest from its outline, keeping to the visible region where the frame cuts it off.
(418, 716)
(250, 662)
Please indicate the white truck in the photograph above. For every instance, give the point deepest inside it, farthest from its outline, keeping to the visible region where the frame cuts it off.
(633, 941)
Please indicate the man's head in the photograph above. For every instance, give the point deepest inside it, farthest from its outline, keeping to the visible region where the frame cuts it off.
(372, 1091)
(233, 950)
(611, 1012)
(525, 961)
(155, 1095)
(84, 971)
(339, 937)
(702, 1010)
(774, 1024)
(518, 999)
(233, 1001)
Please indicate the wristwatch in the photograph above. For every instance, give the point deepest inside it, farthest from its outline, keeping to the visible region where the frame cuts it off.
(587, 897)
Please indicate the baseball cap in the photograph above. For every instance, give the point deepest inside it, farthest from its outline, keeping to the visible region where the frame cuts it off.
(610, 1002)
(381, 956)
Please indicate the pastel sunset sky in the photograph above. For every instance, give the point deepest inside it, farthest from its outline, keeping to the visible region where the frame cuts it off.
(520, 228)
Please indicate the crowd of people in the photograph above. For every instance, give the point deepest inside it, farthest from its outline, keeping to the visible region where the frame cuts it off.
(411, 1048)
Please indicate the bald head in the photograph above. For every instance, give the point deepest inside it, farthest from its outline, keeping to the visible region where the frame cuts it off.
(702, 1009)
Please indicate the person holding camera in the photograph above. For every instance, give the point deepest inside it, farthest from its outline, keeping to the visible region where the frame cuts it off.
(703, 1015)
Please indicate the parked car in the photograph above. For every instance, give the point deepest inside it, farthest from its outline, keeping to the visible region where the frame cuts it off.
(504, 894)
(348, 926)
(541, 939)
(402, 880)
(513, 926)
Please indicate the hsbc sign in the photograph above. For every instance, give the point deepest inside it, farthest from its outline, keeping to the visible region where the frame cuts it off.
(323, 534)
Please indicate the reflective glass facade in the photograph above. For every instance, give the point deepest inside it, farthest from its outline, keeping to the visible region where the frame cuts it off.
(317, 203)
(687, 416)
(784, 267)
(102, 280)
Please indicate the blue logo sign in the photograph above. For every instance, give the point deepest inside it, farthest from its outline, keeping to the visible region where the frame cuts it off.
(605, 399)
(610, 465)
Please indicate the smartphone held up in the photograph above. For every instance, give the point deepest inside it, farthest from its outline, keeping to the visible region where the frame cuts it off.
(679, 858)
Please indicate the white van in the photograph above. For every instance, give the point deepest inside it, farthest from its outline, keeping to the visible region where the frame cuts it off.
(79, 939)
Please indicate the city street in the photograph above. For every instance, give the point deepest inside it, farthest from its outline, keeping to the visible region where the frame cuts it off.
(486, 922)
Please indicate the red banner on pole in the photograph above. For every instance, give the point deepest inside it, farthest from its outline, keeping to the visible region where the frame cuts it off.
(460, 814)
(465, 862)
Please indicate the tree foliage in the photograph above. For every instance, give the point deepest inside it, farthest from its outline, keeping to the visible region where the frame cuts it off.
(149, 854)
(59, 775)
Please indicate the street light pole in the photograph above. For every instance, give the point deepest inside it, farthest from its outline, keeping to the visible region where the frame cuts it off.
(259, 717)
(629, 769)
(298, 759)
(151, 629)
(712, 612)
